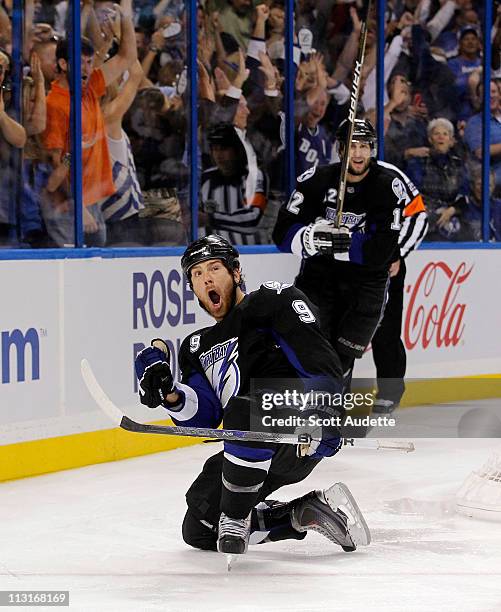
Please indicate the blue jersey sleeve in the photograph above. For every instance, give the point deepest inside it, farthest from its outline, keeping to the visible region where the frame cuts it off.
(198, 405)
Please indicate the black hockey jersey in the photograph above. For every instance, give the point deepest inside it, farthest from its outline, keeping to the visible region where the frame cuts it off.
(271, 334)
(375, 210)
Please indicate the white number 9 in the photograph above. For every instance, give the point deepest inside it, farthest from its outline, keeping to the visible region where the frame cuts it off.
(305, 314)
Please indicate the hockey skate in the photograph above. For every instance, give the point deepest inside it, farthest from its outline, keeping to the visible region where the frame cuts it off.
(335, 514)
(384, 406)
(233, 537)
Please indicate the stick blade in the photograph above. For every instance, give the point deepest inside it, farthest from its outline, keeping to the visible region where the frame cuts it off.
(98, 394)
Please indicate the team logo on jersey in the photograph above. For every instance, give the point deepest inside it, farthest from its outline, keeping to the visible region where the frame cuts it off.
(306, 174)
(276, 286)
(349, 219)
(195, 343)
(330, 213)
(400, 191)
(221, 369)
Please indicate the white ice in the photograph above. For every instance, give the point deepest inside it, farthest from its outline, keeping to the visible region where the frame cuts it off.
(110, 534)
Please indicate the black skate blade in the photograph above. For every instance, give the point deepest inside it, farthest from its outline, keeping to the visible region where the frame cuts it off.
(339, 497)
(232, 546)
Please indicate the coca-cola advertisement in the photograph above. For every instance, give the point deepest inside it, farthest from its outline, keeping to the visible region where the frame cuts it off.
(452, 314)
(437, 310)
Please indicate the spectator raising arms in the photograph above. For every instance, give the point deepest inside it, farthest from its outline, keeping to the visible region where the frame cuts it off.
(46, 51)
(236, 19)
(97, 170)
(404, 123)
(12, 134)
(121, 209)
(314, 145)
(35, 171)
(467, 61)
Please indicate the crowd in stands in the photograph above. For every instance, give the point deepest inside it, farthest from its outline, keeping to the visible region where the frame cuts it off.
(135, 114)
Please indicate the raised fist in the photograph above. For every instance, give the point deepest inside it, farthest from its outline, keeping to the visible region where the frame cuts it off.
(154, 374)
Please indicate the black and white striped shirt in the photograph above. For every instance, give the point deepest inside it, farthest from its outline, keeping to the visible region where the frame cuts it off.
(415, 223)
(231, 213)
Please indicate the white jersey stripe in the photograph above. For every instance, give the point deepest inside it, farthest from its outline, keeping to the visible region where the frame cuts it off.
(259, 465)
(412, 233)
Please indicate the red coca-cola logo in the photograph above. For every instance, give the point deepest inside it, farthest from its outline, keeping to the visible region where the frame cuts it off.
(433, 314)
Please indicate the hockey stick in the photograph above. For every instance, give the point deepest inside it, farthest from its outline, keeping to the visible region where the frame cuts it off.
(115, 414)
(352, 114)
(123, 421)
(385, 444)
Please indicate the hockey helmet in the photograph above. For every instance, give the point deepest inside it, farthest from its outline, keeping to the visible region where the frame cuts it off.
(363, 131)
(224, 135)
(210, 247)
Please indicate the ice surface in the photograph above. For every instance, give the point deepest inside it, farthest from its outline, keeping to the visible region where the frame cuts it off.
(110, 534)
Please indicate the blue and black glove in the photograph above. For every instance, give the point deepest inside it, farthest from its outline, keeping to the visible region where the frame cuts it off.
(154, 374)
(327, 446)
(326, 440)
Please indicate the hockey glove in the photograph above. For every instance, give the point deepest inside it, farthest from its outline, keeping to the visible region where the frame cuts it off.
(326, 441)
(327, 446)
(153, 373)
(322, 237)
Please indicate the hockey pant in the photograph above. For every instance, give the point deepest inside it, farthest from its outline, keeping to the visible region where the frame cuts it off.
(387, 347)
(350, 309)
(205, 499)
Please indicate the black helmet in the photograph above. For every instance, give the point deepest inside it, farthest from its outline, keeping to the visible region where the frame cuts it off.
(224, 134)
(363, 131)
(210, 247)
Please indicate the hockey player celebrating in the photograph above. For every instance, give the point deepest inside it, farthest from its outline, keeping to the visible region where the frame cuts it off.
(345, 270)
(270, 333)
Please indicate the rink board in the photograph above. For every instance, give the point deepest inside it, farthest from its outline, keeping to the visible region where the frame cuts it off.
(107, 309)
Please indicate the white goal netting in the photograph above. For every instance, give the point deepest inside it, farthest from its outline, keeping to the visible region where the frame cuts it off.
(480, 494)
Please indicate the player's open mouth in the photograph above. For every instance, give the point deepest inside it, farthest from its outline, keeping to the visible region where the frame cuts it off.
(358, 164)
(214, 297)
